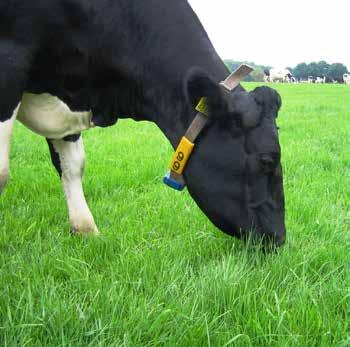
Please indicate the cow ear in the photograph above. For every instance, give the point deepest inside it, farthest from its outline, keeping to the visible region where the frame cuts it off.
(268, 98)
(199, 84)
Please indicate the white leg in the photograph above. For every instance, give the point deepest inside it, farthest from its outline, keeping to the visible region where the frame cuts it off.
(71, 160)
(6, 128)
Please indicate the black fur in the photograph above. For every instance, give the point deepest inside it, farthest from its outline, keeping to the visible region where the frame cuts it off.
(267, 72)
(72, 138)
(55, 158)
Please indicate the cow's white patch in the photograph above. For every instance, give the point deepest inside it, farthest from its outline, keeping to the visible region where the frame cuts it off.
(5, 141)
(279, 75)
(320, 80)
(72, 160)
(48, 116)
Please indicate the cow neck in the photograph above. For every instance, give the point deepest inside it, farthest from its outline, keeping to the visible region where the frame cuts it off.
(172, 112)
(173, 119)
(175, 43)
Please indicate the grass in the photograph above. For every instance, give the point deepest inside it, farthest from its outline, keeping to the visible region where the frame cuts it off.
(161, 274)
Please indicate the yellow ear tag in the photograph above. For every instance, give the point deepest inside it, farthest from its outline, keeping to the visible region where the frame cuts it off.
(202, 106)
(181, 156)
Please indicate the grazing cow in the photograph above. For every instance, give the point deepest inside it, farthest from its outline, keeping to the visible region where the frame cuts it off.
(279, 75)
(320, 80)
(311, 79)
(346, 78)
(69, 65)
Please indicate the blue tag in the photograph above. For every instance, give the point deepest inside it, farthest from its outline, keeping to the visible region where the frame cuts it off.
(170, 182)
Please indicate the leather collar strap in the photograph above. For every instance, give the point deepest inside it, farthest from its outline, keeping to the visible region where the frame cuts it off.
(174, 178)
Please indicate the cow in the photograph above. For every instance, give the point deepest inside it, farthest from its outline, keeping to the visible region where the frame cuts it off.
(278, 75)
(320, 80)
(70, 65)
(267, 75)
(346, 78)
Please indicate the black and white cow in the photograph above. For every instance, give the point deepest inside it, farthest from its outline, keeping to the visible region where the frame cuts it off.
(278, 75)
(346, 78)
(320, 80)
(69, 65)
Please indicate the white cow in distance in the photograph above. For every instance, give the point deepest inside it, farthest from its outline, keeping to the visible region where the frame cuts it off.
(278, 75)
(346, 78)
(320, 80)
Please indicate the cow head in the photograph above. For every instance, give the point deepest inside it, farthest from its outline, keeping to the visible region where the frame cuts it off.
(235, 173)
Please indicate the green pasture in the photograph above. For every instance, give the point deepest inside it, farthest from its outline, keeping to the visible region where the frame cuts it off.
(160, 274)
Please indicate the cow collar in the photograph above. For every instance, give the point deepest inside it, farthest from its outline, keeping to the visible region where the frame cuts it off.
(174, 178)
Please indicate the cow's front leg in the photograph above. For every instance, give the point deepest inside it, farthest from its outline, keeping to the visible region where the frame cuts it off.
(15, 62)
(68, 157)
(6, 127)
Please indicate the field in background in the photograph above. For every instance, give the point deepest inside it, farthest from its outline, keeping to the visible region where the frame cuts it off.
(161, 274)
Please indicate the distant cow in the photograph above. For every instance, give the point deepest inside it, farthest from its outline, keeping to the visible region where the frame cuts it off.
(320, 80)
(346, 78)
(278, 75)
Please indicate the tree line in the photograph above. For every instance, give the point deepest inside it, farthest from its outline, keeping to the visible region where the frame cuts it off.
(332, 72)
(321, 69)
